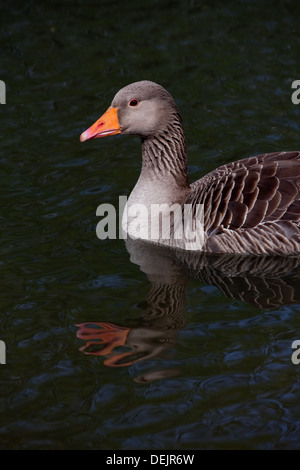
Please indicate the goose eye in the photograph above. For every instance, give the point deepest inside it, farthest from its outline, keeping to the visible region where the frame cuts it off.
(133, 102)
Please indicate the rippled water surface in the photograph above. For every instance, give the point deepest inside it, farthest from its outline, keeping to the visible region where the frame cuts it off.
(115, 347)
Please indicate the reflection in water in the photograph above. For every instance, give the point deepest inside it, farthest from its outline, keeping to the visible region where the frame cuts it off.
(265, 282)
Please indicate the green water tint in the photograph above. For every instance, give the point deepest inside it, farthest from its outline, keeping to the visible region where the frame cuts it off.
(209, 345)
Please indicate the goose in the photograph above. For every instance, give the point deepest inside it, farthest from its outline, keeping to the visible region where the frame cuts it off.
(250, 206)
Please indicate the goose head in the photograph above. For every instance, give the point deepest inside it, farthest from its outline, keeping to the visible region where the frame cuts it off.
(142, 108)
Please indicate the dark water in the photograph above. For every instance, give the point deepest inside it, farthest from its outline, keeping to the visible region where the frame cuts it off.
(159, 352)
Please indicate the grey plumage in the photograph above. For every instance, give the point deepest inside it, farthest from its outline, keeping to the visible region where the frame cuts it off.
(251, 206)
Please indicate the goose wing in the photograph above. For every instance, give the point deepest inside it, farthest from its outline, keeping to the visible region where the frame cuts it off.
(253, 202)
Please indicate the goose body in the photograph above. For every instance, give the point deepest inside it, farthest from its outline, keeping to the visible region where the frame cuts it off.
(251, 206)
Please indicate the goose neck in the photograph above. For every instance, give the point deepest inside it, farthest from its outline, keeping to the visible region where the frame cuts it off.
(165, 158)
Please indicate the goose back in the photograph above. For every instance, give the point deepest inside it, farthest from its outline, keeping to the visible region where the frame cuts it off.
(252, 205)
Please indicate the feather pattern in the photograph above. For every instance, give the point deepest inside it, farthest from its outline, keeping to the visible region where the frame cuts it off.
(252, 205)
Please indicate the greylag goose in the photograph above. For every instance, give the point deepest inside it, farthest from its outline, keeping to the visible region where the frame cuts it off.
(251, 206)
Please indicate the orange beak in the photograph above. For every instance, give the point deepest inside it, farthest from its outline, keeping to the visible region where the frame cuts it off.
(108, 124)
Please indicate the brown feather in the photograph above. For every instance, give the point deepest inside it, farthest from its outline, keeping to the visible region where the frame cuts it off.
(249, 197)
